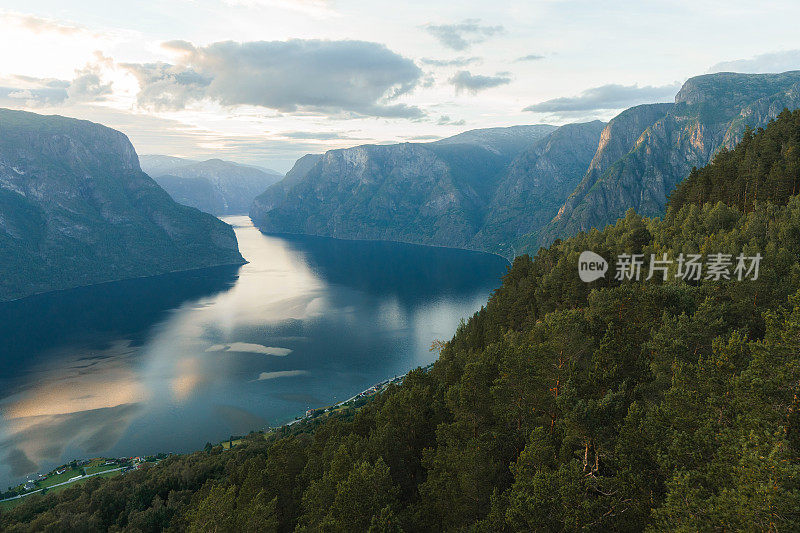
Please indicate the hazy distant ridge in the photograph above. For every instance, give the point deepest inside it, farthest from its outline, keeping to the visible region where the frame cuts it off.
(214, 186)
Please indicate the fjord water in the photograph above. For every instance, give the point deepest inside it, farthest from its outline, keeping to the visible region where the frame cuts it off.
(166, 364)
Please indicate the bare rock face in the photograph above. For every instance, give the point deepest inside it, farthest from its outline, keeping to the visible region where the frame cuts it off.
(511, 190)
(76, 209)
(433, 193)
(277, 193)
(536, 183)
(710, 112)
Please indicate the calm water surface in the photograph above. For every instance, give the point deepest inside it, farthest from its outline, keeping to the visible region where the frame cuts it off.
(169, 363)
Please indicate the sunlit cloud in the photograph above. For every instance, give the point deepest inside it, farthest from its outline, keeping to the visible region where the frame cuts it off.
(446, 120)
(455, 62)
(37, 24)
(529, 57)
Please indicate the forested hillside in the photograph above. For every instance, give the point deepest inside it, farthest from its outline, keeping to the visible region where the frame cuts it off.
(765, 167)
(560, 406)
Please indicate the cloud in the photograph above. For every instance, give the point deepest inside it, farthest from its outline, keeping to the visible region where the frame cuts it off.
(318, 76)
(89, 86)
(463, 35)
(40, 24)
(446, 120)
(529, 57)
(34, 92)
(86, 86)
(315, 8)
(473, 83)
(456, 62)
(53, 83)
(770, 62)
(611, 96)
(318, 135)
(88, 83)
(165, 86)
(424, 137)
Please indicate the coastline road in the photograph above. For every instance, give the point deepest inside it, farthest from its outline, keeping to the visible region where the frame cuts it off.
(73, 480)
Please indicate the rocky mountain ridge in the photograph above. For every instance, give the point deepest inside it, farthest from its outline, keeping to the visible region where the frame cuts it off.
(429, 193)
(76, 209)
(710, 112)
(512, 190)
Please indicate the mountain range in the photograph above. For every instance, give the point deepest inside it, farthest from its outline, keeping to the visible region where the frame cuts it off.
(215, 186)
(512, 190)
(710, 113)
(76, 209)
(438, 193)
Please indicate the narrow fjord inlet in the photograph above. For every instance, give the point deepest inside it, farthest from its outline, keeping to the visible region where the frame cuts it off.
(338, 266)
(165, 364)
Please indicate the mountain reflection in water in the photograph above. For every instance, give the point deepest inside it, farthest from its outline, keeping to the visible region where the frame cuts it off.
(170, 362)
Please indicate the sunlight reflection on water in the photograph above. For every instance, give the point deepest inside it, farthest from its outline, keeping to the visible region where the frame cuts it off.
(168, 363)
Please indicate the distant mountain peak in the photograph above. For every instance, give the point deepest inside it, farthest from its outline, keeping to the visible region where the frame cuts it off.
(214, 185)
(508, 140)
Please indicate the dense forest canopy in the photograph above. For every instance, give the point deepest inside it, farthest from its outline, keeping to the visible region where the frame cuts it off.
(560, 406)
(764, 167)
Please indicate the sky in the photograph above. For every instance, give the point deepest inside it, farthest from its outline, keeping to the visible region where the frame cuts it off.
(267, 81)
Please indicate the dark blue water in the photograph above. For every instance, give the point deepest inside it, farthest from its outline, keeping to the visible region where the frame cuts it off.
(169, 363)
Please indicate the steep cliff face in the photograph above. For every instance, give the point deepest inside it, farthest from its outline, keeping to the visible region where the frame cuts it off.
(535, 185)
(400, 192)
(76, 209)
(434, 193)
(277, 192)
(214, 186)
(710, 112)
(616, 140)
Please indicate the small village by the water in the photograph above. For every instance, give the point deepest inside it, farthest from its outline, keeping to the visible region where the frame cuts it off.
(82, 469)
(76, 470)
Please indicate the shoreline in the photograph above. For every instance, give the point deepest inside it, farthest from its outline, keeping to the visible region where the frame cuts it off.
(309, 415)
